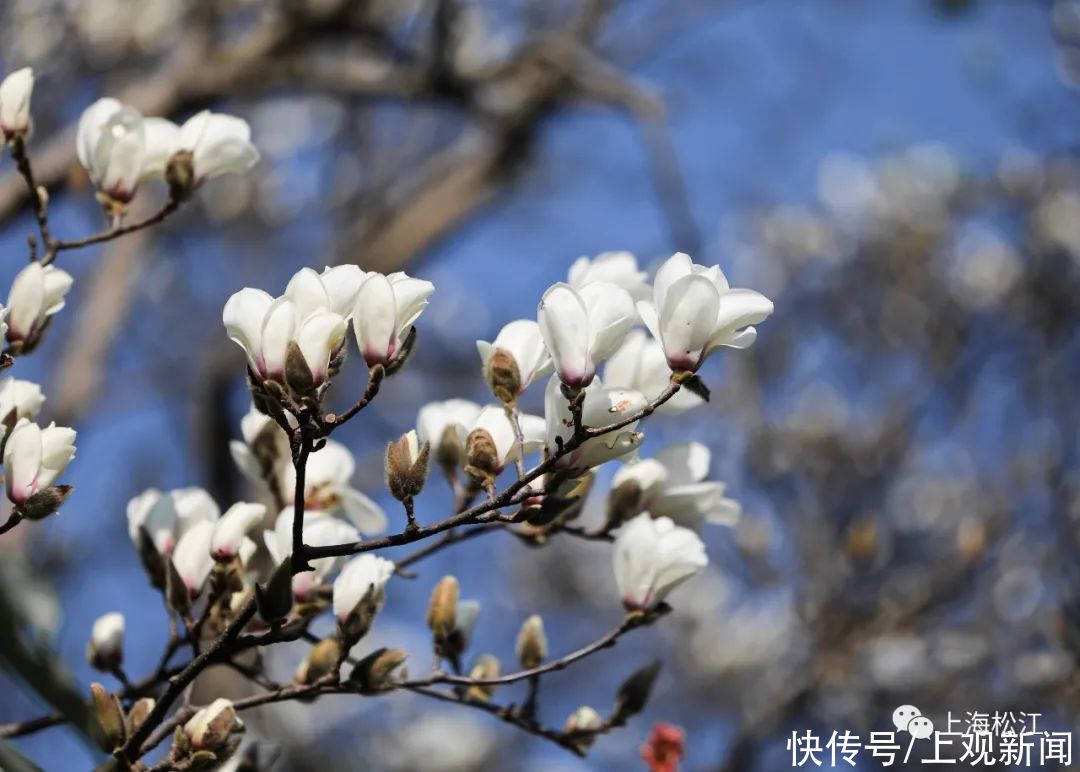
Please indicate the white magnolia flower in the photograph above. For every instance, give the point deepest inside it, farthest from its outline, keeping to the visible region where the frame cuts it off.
(35, 457)
(493, 420)
(161, 137)
(265, 327)
(640, 364)
(361, 575)
(219, 144)
(521, 339)
(602, 407)
(18, 399)
(320, 530)
(166, 517)
(106, 648)
(36, 294)
(327, 487)
(695, 311)
(618, 268)
(672, 484)
(15, 94)
(653, 557)
(230, 531)
(583, 326)
(192, 557)
(385, 309)
(111, 144)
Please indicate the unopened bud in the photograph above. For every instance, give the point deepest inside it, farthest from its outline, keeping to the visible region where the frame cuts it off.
(45, 502)
(376, 670)
(448, 451)
(485, 668)
(176, 592)
(583, 723)
(138, 713)
(323, 659)
(180, 174)
(634, 692)
(211, 727)
(406, 466)
(275, 600)
(532, 645)
(298, 375)
(442, 608)
(503, 375)
(481, 457)
(110, 717)
(105, 651)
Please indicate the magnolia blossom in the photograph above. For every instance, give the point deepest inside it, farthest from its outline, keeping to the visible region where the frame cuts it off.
(385, 309)
(15, 94)
(327, 487)
(36, 294)
(106, 647)
(265, 328)
(111, 142)
(209, 729)
(695, 311)
(602, 407)
(619, 268)
(672, 484)
(230, 531)
(653, 557)
(219, 144)
(166, 517)
(320, 530)
(35, 457)
(583, 326)
(496, 424)
(640, 364)
(362, 575)
(445, 425)
(18, 399)
(523, 344)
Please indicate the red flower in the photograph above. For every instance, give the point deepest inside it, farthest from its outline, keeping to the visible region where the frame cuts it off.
(664, 748)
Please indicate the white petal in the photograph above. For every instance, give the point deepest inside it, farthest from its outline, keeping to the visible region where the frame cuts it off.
(22, 460)
(686, 462)
(342, 282)
(230, 530)
(15, 93)
(278, 329)
(611, 315)
(319, 337)
(564, 324)
(374, 319)
(26, 301)
(687, 320)
(91, 124)
(192, 556)
(363, 512)
(243, 317)
(673, 269)
(162, 138)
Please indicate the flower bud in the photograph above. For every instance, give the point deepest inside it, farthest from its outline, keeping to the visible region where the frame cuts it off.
(634, 692)
(481, 457)
(18, 399)
(623, 502)
(359, 595)
(46, 502)
(15, 94)
(376, 670)
(323, 659)
(210, 728)
(406, 466)
(532, 647)
(583, 723)
(105, 650)
(275, 599)
(501, 373)
(110, 717)
(180, 174)
(442, 609)
(485, 668)
(33, 459)
(138, 713)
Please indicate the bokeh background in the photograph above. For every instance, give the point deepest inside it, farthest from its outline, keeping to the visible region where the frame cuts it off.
(900, 176)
